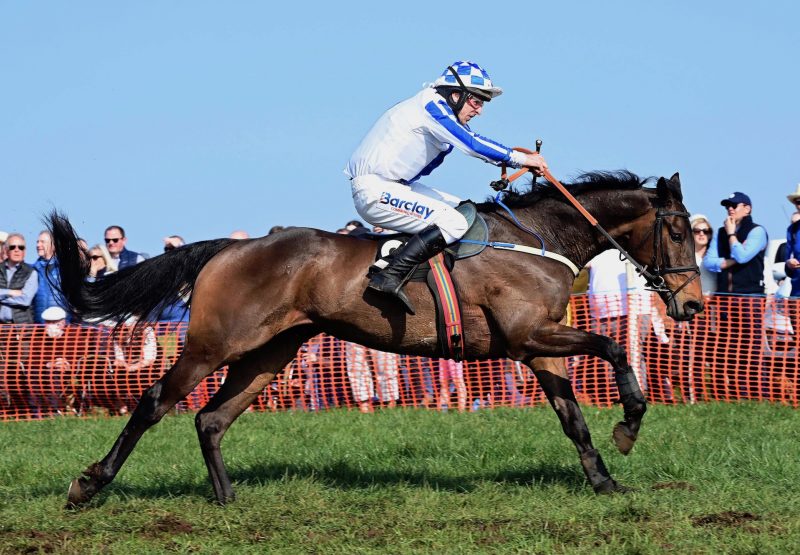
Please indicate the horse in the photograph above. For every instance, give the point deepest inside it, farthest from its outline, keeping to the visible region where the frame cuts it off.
(254, 302)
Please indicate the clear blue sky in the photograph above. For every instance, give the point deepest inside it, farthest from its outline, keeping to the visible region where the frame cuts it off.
(198, 118)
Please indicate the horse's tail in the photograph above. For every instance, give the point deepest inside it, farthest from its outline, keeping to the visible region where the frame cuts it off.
(142, 290)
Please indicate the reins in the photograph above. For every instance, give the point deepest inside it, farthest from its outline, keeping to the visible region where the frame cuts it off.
(654, 280)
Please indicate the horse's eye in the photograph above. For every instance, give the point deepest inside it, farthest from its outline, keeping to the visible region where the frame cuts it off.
(676, 237)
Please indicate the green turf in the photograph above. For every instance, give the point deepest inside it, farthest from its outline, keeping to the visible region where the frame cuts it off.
(710, 479)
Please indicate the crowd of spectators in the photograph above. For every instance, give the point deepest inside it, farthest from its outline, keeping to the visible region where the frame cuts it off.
(734, 259)
(745, 283)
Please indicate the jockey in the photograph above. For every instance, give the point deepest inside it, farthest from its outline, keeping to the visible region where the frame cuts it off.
(409, 141)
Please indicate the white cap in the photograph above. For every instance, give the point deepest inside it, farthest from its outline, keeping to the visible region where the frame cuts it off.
(697, 217)
(54, 313)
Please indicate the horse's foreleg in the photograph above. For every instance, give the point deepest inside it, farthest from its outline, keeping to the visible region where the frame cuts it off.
(178, 382)
(245, 380)
(560, 340)
(552, 376)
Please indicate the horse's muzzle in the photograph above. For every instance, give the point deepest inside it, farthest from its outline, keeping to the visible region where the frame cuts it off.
(686, 312)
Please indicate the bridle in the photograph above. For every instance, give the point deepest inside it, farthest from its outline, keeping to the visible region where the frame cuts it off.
(654, 274)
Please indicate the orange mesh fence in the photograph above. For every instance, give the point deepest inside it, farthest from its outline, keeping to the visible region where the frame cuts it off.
(740, 348)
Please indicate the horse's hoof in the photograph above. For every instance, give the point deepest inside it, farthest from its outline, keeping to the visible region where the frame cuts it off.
(223, 501)
(77, 495)
(623, 438)
(611, 486)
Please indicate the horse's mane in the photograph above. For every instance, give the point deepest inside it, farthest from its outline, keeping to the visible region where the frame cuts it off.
(590, 181)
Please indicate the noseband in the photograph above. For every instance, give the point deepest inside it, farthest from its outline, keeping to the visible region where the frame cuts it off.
(654, 276)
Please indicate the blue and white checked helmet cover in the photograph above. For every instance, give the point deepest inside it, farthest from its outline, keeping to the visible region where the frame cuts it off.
(472, 75)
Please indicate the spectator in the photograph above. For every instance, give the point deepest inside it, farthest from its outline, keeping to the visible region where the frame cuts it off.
(239, 234)
(738, 255)
(55, 348)
(173, 242)
(355, 228)
(452, 372)
(176, 311)
(120, 255)
(18, 283)
(609, 314)
(353, 224)
(3, 237)
(46, 266)
(135, 352)
(100, 262)
(387, 371)
(360, 375)
(792, 267)
(703, 233)
(738, 259)
(621, 307)
(419, 389)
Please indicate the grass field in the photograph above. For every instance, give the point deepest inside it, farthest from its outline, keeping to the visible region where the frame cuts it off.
(710, 479)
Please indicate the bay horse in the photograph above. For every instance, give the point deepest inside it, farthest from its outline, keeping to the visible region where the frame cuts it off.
(254, 302)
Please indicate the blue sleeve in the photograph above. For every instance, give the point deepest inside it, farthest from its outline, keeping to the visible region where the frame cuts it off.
(791, 250)
(28, 292)
(448, 129)
(755, 242)
(712, 261)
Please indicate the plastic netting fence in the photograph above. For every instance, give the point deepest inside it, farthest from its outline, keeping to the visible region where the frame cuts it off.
(741, 347)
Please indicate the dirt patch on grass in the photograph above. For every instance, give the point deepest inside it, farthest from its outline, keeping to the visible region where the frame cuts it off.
(674, 485)
(726, 519)
(36, 541)
(169, 525)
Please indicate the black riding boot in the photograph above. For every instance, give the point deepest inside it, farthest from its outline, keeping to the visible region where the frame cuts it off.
(422, 246)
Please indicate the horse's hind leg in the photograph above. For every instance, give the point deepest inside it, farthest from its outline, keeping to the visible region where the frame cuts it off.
(552, 375)
(245, 381)
(178, 382)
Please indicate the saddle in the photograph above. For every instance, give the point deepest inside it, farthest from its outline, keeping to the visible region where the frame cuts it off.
(436, 273)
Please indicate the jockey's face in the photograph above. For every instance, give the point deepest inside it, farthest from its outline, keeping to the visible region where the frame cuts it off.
(472, 107)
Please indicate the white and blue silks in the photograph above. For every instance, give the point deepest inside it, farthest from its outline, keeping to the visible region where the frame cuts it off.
(409, 141)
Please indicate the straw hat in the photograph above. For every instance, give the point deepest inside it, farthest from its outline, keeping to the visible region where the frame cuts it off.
(794, 196)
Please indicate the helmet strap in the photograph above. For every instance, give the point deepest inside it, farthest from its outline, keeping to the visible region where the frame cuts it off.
(456, 106)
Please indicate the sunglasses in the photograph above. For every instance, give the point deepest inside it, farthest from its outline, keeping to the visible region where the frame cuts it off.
(113, 239)
(16, 247)
(796, 202)
(168, 248)
(699, 231)
(95, 257)
(475, 102)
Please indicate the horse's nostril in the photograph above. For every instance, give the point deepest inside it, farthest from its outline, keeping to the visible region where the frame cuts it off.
(693, 307)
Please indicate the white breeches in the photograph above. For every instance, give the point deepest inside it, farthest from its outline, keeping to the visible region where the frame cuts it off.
(408, 208)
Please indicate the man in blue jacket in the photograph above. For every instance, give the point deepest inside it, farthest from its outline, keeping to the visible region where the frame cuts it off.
(738, 258)
(115, 243)
(793, 246)
(46, 267)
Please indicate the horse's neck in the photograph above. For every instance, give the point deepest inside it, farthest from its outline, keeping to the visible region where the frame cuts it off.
(566, 232)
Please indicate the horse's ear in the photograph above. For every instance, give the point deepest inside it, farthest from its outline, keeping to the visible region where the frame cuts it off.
(675, 186)
(669, 189)
(661, 188)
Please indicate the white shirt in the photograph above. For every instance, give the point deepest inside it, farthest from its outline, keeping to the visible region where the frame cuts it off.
(412, 138)
(608, 285)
